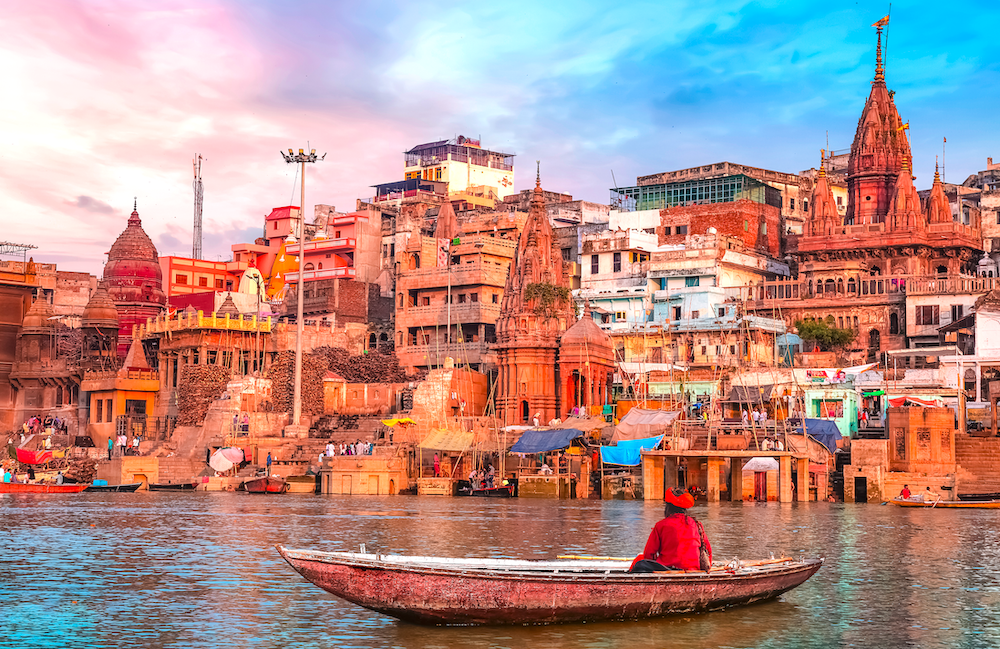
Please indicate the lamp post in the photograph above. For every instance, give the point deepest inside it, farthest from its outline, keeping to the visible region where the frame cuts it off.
(301, 157)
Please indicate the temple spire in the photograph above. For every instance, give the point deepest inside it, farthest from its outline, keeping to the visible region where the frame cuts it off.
(879, 68)
(822, 163)
(538, 173)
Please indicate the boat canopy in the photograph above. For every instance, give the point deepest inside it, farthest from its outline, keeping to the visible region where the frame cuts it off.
(912, 400)
(448, 440)
(751, 395)
(541, 441)
(761, 464)
(628, 452)
(823, 431)
(639, 423)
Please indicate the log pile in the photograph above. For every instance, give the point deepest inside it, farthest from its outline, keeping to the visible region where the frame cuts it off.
(199, 386)
(282, 375)
(81, 470)
(372, 367)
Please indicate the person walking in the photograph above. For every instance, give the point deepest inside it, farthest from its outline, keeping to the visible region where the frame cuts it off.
(111, 445)
(268, 463)
(437, 466)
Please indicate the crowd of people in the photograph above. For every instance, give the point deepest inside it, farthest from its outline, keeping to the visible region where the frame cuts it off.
(48, 423)
(357, 448)
(120, 445)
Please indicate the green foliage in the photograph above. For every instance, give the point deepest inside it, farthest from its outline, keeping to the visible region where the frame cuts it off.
(547, 297)
(824, 333)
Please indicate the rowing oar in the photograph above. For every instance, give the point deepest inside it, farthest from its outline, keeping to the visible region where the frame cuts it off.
(577, 556)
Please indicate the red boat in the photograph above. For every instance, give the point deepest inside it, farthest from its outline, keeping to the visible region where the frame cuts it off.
(445, 591)
(37, 488)
(266, 485)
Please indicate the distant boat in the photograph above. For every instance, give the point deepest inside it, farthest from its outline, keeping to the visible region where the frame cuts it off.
(173, 486)
(266, 485)
(949, 504)
(505, 491)
(132, 486)
(40, 488)
(987, 496)
(446, 591)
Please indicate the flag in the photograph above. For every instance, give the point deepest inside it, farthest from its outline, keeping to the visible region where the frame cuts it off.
(946, 139)
(443, 246)
(882, 23)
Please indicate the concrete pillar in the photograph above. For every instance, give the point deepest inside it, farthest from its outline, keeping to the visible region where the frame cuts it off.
(670, 474)
(802, 488)
(652, 476)
(736, 465)
(785, 479)
(715, 465)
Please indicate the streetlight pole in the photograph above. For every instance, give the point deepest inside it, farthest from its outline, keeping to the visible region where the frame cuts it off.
(302, 158)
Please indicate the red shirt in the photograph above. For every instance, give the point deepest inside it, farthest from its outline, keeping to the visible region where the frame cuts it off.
(674, 542)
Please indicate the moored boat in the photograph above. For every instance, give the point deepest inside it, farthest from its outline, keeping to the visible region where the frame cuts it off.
(130, 487)
(40, 488)
(980, 497)
(302, 484)
(948, 504)
(447, 591)
(266, 485)
(506, 491)
(173, 486)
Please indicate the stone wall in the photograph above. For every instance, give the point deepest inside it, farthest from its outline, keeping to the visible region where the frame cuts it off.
(757, 225)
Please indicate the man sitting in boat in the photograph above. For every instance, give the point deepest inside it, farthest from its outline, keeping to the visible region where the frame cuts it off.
(930, 496)
(676, 541)
(905, 493)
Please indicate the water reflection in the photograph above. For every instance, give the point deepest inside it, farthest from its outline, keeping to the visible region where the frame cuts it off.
(159, 569)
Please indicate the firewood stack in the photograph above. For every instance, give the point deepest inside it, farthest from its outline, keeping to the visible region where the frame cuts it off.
(81, 470)
(282, 375)
(373, 367)
(199, 386)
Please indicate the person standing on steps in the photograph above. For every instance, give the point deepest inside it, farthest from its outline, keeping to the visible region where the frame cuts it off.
(268, 463)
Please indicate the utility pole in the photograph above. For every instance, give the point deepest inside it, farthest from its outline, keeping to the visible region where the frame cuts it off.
(199, 194)
(302, 158)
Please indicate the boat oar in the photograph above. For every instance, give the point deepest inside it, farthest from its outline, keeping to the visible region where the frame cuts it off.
(936, 501)
(577, 556)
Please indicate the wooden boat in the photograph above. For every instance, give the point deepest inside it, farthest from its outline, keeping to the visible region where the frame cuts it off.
(948, 504)
(40, 488)
(302, 484)
(980, 497)
(133, 486)
(446, 591)
(266, 485)
(173, 486)
(505, 491)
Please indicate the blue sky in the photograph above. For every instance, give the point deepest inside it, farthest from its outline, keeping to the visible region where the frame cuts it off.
(115, 98)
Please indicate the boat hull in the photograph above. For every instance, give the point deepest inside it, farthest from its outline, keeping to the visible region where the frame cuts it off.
(173, 486)
(26, 488)
(455, 592)
(494, 492)
(266, 485)
(949, 504)
(134, 486)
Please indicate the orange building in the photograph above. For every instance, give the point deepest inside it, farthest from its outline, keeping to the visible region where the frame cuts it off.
(183, 275)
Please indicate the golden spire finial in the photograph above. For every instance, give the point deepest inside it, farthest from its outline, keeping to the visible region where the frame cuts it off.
(538, 173)
(822, 163)
(937, 173)
(879, 68)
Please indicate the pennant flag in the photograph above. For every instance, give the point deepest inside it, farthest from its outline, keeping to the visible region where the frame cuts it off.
(882, 23)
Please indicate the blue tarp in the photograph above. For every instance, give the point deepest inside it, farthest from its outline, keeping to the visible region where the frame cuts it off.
(540, 441)
(628, 452)
(824, 431)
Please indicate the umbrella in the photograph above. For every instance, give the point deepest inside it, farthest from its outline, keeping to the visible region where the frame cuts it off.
(226, 458)
(761, 464)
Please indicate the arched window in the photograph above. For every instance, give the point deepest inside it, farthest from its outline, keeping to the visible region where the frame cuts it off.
(321, 265)
(942, 270)
(874, 340)
(309, 266)
(829, 287)
(851, 286)
(875, 271)
(855, 323)
(840, 322)
(893, 323)
(371, 341)
(840, 286)
(525, 411)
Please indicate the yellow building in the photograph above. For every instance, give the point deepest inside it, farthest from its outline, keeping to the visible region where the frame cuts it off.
(120, 399)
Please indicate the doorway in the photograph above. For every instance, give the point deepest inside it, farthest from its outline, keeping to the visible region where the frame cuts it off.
(760, 486)
(860, 489)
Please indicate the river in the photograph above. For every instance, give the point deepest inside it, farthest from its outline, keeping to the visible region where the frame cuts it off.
(158, 569)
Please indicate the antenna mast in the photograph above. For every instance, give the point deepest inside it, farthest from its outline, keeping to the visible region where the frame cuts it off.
(199, 194)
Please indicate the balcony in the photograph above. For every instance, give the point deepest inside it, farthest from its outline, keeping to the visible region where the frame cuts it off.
(437, 314)
(476, 273)
(140, 380)
(435, 353)
(292, 277)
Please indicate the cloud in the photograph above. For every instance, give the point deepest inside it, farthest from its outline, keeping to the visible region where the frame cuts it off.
(93, 205)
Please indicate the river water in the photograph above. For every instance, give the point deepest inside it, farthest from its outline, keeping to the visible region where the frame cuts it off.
(199, 569)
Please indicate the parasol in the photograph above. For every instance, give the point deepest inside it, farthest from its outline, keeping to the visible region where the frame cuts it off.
(226, 458)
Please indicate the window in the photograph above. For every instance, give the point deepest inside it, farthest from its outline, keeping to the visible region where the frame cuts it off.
(107, 410)
(763, 228)
(496, 298)
(704, 350)
(928, 315)
(99, 412)
(791, 204)
(619, 316)
(595, 264)
(694, 315)
(181, 279)
(746, 225)
(840, 201)
(437, 173)
(425, 301)
(957, 312)
(682, 229)
(666, 230)
(722, 312)
(565, 254)
(310, 266)
(461, 298)
(473, 297)
(218, 284)
(692, 281)
(805, 205)
(893, 323)
(677, 313)
(618, 262)
(202, 281)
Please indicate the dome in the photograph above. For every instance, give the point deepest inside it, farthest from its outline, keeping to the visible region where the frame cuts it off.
(100, 310)
(133, 274)
(586, 332)
(38, 315)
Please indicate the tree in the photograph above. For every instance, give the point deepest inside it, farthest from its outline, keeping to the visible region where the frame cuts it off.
(823, 333)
